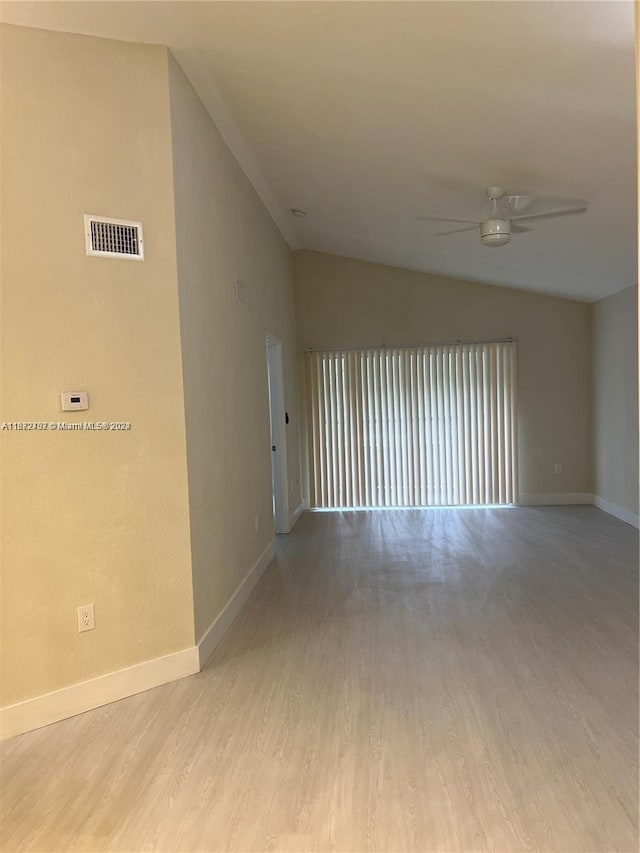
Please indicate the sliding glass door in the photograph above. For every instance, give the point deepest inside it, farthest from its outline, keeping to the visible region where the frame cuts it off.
(416, 426)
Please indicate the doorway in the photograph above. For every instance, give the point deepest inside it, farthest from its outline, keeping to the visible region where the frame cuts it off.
(278, 434)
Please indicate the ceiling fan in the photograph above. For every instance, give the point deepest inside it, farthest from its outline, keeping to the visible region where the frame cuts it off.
(508, 211)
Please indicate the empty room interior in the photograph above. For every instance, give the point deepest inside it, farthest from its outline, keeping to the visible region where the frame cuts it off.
(319, 427)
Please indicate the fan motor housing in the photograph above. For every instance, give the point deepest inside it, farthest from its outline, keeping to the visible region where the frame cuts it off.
(495, 232)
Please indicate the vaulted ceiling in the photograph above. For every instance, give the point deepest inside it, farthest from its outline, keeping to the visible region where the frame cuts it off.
(370, 114)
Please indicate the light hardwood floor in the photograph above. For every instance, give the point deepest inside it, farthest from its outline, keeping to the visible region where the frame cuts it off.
(425, 680)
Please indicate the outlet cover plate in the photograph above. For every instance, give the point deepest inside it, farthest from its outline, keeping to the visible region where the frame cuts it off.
(86, 618)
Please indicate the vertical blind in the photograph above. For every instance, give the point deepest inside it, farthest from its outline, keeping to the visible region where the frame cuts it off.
(415, 426)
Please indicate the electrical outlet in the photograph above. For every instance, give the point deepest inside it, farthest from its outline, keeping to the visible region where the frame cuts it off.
(86, 618)
(557, 468)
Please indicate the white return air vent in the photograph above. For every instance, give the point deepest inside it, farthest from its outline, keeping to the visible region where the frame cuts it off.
(113, 238)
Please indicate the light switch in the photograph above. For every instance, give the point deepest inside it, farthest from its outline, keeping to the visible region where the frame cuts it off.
(74, 401)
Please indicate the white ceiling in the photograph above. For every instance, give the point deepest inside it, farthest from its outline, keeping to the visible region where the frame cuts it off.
(368, 114)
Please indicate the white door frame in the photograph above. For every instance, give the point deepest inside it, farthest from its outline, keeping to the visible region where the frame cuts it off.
(278, 435)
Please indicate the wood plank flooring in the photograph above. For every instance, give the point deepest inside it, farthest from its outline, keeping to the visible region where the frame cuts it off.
(439, 680)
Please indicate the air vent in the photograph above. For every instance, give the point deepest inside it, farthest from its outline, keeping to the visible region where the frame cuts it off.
(113, 238)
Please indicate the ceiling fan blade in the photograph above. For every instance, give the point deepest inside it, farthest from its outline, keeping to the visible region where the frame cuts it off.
(448, 219)
(516, 203)
(519, 229)
(458, 231)
(552, 203)
(571, 211)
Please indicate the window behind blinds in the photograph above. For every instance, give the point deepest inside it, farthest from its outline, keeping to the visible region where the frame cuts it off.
(418, 426)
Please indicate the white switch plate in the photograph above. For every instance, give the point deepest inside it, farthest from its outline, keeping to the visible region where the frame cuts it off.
(86, 618)
(557, 468)
(241, 290)
(74, 401)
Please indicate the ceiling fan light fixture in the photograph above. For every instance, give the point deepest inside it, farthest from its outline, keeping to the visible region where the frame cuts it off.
(495, 232)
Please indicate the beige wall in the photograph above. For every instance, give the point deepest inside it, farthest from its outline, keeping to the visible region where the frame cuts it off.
(224, 231)
(89, 516)
(342, 302)
(615, 399)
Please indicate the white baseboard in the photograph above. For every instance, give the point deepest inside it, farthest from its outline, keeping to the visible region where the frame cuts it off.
(296, 515)
(221, 623)
(618, 511)
(556, 499)
(86, 695)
